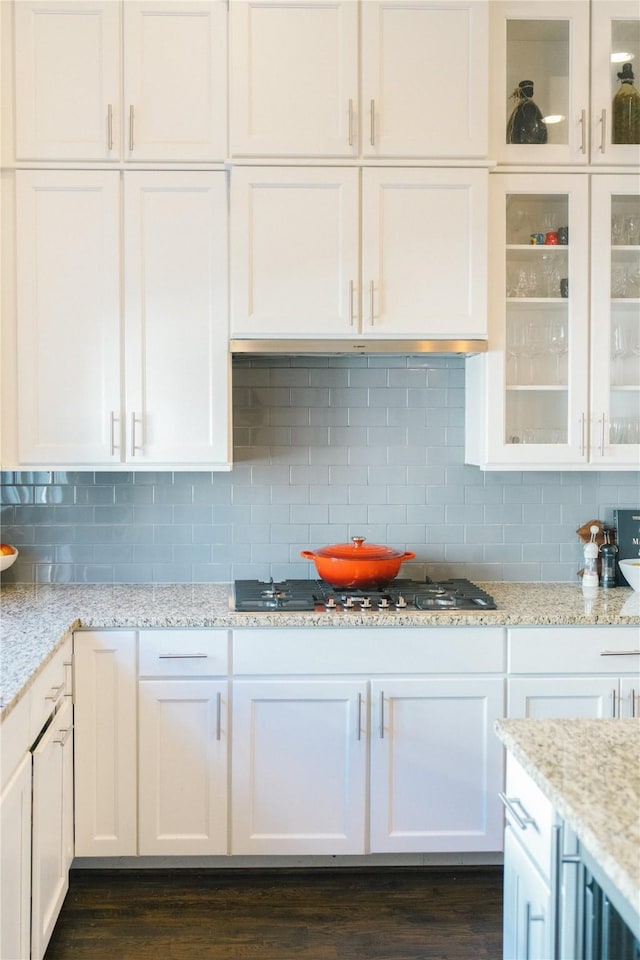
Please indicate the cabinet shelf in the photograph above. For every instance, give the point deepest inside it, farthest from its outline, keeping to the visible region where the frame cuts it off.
(538, 387)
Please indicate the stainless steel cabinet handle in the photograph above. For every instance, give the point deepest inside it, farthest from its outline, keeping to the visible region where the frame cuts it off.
(56, 692)
(613, 703)
(382, 714)
(603, 130)
(602, 431)
(350, 123)
(620, 653)
(182, 656)
(582, 435)
(359, 717)
(65, 733)
(523, 819)
(218, 715)
(109, 126)
(134, 446)
(633, 702)
(372, 123)
(113, 446)
(351, 292)
(131, 127)
(583, 132)
(371, 301)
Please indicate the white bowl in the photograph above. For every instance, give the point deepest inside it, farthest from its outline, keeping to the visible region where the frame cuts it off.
(6, 559)
(631, 572)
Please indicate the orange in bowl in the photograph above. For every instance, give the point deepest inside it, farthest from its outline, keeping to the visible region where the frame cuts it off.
(8, 555)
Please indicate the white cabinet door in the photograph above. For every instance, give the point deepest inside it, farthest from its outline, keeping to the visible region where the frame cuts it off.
(105, 743)
(424, 262)
(183, 767)
(436, 767)
(176, 328)
(527, 914)
(615, 324)
(67, 72)
(299, 767)
(15, 864)
(615, 31)
(175, 69)
(293, 78)
(52, 850)
(546, 42)
(566, 697)
(294, 251)
(424, 78)
(68, 315)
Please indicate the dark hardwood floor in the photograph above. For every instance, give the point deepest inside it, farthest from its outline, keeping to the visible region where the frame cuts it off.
(394, 913)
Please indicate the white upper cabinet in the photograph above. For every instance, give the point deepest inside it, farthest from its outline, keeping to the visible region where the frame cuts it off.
(424, 78)
(571, 52)
(293, 78)
(175, 75)
(424, 261)
(67, 74)
(381, 78)
(294, 251)
(175, 319)
(68, 65)
(298, 267)
(78, 402)
(68, 316)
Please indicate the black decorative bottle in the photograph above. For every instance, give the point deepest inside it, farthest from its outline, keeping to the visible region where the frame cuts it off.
(526, 124)
(626, 109)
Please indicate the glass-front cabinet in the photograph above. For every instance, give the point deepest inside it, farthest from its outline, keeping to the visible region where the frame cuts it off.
(560, 385)
(548, 106)
(615, 320)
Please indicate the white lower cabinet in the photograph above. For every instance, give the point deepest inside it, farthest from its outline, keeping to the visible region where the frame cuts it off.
(152, 741)
(526, 905)
(436, 765)
(15, 864)
(52, 838)
(182, 797)
(299, 766)
(105, 742)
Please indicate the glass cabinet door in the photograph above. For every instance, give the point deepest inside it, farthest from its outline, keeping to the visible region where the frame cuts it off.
(615, 85)
(615, 336)
(540, 81)
(540, 315)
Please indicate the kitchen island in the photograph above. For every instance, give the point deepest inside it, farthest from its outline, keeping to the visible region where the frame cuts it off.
(35, 618)
(589, 771)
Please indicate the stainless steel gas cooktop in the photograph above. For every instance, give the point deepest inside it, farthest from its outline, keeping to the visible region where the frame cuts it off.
(291, 596)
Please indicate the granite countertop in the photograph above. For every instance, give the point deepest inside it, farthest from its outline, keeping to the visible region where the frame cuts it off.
(590, 771)
(36, 617)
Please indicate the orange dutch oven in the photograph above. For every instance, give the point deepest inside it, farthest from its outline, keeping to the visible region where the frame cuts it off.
(356, 565)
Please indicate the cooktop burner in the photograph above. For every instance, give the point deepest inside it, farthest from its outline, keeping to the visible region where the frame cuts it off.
(289, 596)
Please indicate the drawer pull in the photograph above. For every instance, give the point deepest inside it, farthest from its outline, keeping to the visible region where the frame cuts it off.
(523, 820)
(55, 692)
(182, 656)
(620, 653)
(359, 720)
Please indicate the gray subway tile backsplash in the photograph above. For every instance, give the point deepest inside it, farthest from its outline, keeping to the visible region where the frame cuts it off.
(326, 448)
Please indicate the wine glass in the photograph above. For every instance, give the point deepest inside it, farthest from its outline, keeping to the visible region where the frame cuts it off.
(619, 351)
(558, 344)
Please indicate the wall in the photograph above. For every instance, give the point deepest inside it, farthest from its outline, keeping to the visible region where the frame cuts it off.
(325, 448)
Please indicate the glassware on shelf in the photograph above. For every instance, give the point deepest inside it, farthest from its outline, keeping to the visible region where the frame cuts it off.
(619, 351)
(626, 109)
(525, 125)
(632, 231)
(619, 280)
(550, 276)
(618, 229)
(633, 281)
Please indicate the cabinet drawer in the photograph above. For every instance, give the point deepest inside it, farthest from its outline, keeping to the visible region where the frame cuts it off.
(49, 688)
(14, 739)
(370, 650)
(183, 653)
(574, 650)
(530, 814)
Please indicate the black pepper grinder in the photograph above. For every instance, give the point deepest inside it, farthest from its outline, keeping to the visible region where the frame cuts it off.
(608, 553)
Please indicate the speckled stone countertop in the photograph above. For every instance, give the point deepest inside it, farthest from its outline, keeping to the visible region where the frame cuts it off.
(590, 771)
(35, 618)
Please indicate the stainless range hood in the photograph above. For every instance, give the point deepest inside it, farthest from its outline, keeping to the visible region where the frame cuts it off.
(404, 348)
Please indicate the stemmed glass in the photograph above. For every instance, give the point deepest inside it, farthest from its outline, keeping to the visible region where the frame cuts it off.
(533, 345)
(619, 351)
(558, 344)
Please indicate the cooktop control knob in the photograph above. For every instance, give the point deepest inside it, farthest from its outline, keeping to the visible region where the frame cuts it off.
(384, 603)
(331, 603)
(401, 602)
(366, 603)
(348, 604)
